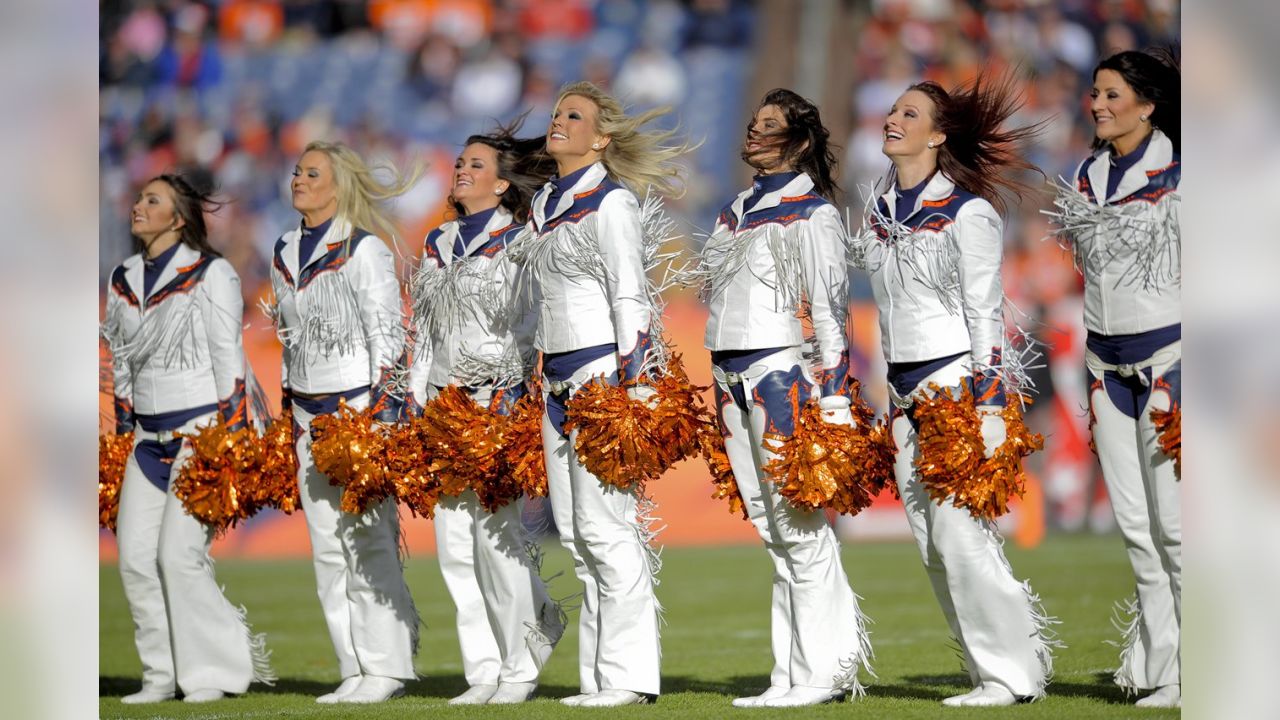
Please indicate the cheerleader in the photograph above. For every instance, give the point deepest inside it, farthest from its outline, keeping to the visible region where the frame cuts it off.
(474, 332)
(593, 320)
(934, 258)
(338, 314)
(778, 247)
(173, 319)
(1122, 220)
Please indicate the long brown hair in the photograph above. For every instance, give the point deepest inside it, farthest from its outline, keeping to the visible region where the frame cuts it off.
(805, 143)
(978, 155)
(191, 200)
(522, 162)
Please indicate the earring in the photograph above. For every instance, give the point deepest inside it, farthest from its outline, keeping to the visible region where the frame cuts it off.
(1143, 118)
(595, 146)
(930, 143)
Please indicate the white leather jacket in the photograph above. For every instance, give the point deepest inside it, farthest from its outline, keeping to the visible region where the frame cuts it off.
(1128, 246)
(762, 265)
(585, 258)
(180, 347)
(470, 325)
(935, 275)
(338, 314)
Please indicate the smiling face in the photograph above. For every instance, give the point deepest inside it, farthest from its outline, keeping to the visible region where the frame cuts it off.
(909, 127)
(315, 193)
(572, 134)
(476, 185)
(762, 147)
(1118, 111)
(154, 212)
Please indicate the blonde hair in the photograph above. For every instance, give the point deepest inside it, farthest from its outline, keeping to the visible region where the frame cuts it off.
(639, 160)
(360, 194)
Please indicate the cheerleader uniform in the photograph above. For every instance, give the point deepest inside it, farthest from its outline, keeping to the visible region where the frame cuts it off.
(1126, 236)
(593, 315)
(338, 315)
(472, 331)
(173, 325)
(777, 247)
(934, 259)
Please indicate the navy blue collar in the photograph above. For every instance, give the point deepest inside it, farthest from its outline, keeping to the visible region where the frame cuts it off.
(1124, 162)
(317, 231)
(562, 184)
(161, 260)
(765, 184)
(471, 225)
(906, 202)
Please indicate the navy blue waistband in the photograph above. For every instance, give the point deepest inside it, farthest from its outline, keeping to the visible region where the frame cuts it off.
(1128, 349)
(327, 404)
(906, 376)
(559, 367)
(173, 420)
(738, 360)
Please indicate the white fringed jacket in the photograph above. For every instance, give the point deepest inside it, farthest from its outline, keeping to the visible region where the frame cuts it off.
(761, 266)
(935, 275)
(338, 315)
(471, 326)
(180, 347)
(1129, 245)
(586, 257)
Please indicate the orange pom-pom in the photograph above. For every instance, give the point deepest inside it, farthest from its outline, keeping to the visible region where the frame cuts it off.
(212, 483)
(408, 462)
(953, 464)
(522, 455)
(351, 451)
(1169, 426)
(816, 467)
(113, 455)
(277, 452)
(625, 442)
(464, 443)
(711, 446)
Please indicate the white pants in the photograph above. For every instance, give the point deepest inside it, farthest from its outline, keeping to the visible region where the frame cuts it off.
(185, 630)
(817, 630)
(994, 617)
(507, 625)
(371, 617)
(618, 647)
(1145, 496)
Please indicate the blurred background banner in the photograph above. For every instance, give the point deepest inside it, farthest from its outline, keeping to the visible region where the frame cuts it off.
(231, 91)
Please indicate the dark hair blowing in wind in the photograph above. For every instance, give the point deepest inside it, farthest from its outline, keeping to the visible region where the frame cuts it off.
(1156, 77)
(805, 143)
(189, 203)
(522, 162)
(978, 154)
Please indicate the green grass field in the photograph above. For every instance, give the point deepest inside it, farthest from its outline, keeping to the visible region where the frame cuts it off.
(715, 641)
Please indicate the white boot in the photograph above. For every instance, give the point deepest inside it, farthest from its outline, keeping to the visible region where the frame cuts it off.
(203, 696)
(992, 695)
(475, 695)
(375, 689)
(575, 700)
(512, 693)
(800, 695)
(145, 696)
(958, 700)
(1169, 696)
(614, 698)
(347, 687)
(774, 691)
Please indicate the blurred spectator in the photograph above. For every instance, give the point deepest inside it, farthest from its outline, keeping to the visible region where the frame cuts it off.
(488, 85)
(256, 23)
(649, 77)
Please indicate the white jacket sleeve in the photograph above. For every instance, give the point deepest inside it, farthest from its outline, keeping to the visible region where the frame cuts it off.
(980, 237)
(619, 235)
(420, 365)
(222, 307)
(823, 257)
(372, 270)
(121, 375)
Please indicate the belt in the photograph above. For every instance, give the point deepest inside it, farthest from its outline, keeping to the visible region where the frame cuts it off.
(1164, 355)
(729, 378)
